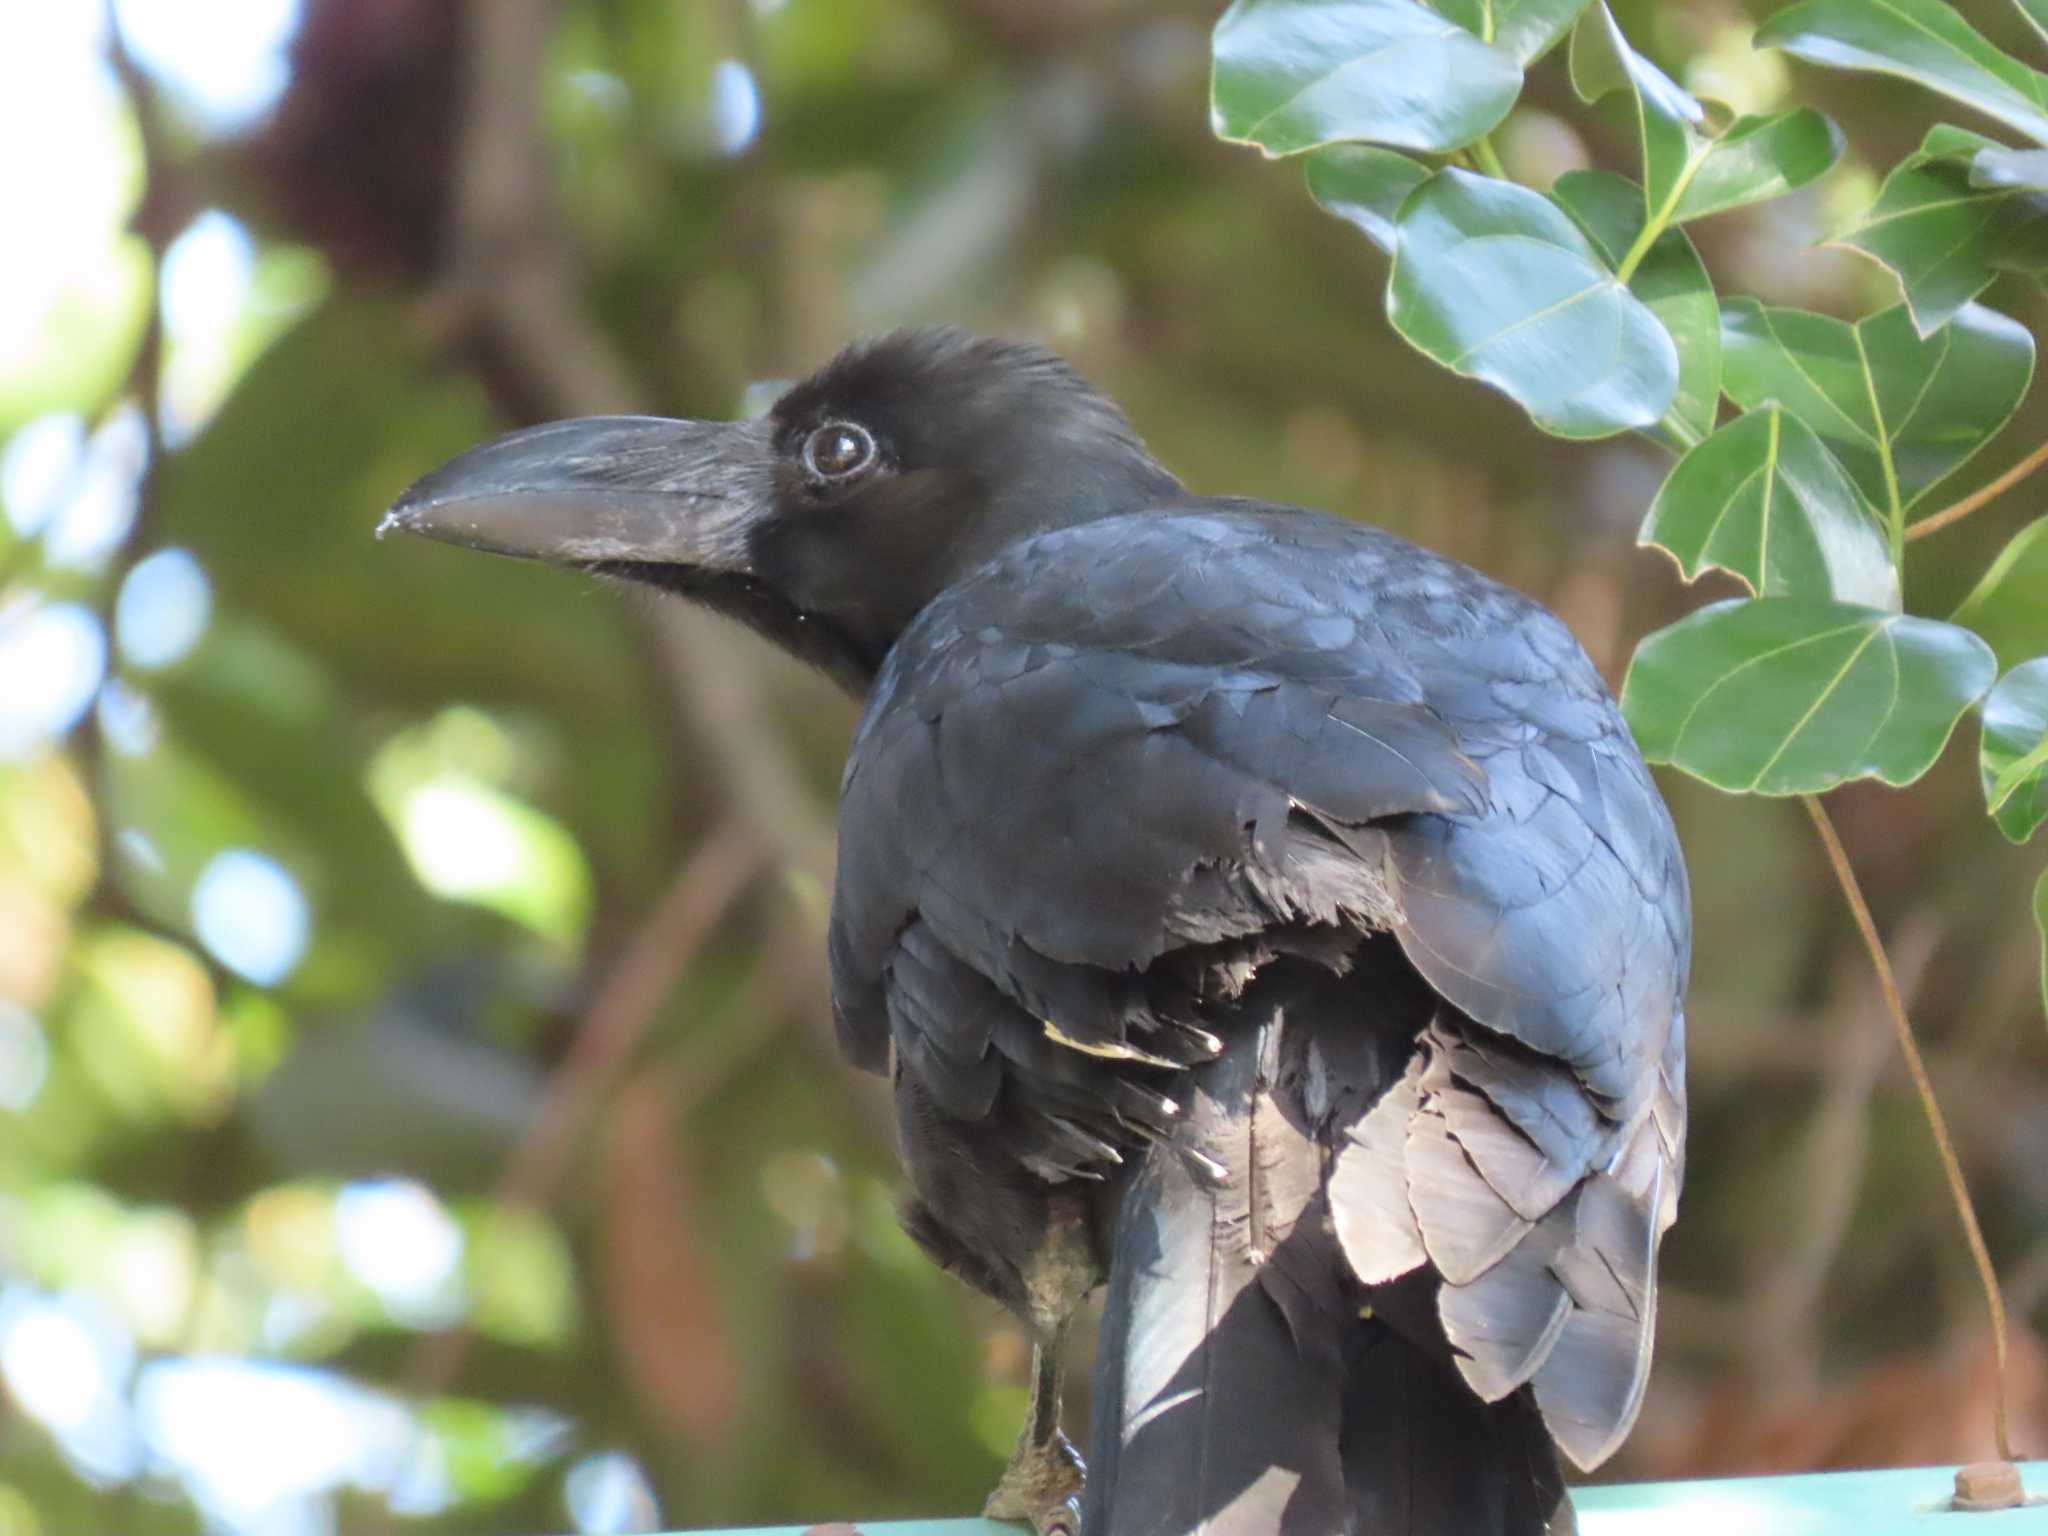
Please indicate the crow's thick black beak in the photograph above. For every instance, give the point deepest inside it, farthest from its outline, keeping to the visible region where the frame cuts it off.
(602, 490)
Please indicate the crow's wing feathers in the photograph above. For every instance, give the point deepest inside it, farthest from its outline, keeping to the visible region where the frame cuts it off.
(1203, 727)
(1111, 741)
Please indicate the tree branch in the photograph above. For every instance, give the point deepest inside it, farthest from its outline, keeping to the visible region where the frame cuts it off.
(612, 1028)
(1951, 1166)
(1977, 498)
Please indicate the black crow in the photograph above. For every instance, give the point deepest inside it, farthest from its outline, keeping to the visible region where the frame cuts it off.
(1251, 909)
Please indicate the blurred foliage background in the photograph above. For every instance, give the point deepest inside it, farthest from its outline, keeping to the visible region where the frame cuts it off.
(417, 1101)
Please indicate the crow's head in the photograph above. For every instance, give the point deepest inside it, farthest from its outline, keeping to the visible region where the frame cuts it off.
(902, 465)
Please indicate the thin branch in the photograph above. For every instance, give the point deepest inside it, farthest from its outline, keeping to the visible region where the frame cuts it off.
(1957, 511)
(633, 990)
(1951, 1166)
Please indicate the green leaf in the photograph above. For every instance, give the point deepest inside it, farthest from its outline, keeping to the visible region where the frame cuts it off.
(1293, 74)
(1495, 283)
(2036, 12)
(1364, 186)
(1759, 158)
(1922, 40)
(2013, 758)
(1686, 174)
(1666, 116)
(1528, 29)
(1943, 228)
(1793, 695)
(1901, 411)
(2009, 607)
(1765, 501)
(1673, 284)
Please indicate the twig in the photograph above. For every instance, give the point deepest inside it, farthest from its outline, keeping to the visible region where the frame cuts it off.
(653, 960)
(1951, 1166)
(1977, 498)
(616, 1022)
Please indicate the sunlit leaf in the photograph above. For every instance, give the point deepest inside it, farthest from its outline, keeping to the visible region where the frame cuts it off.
(1925, 41)
(1364, 186)
(1668, 120)
(1687, 172)
(1764, 500)
(2009, 606)
(1528, 29)
(2014, 755)
(1494, 282)
(1673, 285)
(1759, 158)
(519, 1276)
(72, 319)
(468, 841)
(474, 1443)
(1901, 411)
(1292, 74)
(147, 1029)
(62, 1233)
(84, 340)
(49, 836)
(1944, 224)
(1788, 695)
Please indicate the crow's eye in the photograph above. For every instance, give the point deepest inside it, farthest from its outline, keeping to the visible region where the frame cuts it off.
(838, 450)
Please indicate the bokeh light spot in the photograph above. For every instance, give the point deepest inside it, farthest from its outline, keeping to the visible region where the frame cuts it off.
(38, 467)
(24, 1057)
(162, 610)
(251, 915)
(224, 59)
(608, 1495)
(206, 275)
(62, 1359)
(735, 107)
(52, 656)
(399, 1240)
(91, 522)
(251, 1440)
(128, 720)
(468, 840)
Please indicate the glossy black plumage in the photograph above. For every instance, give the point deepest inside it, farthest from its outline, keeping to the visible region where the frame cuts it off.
(1254, 910)
(1100, 766)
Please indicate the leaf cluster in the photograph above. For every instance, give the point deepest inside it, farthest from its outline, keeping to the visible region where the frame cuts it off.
(1589, 306)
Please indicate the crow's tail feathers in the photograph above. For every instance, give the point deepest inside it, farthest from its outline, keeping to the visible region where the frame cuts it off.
(1244, 1387)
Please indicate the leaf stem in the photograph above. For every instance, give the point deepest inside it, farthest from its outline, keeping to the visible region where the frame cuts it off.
(1895, 508)
(1652, 228)
(1654, 224)
(2003, 787)
(1950, 1164)
(1487, 160)
(1956, 511)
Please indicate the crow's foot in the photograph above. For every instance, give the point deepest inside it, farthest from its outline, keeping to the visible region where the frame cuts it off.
(1042, 1484)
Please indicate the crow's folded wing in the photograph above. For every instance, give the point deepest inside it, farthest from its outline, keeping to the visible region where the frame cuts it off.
(1127, 741)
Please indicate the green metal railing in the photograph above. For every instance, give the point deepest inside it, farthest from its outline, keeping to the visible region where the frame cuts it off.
(1912, 1501)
